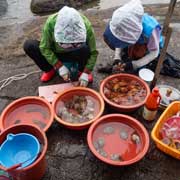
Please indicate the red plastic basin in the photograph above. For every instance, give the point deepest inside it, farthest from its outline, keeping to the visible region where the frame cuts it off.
(120, 107)
(30, 110)
(80, 91)
(113, 144)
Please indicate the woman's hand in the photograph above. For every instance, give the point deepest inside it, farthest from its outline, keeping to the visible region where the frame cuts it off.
(120, 66)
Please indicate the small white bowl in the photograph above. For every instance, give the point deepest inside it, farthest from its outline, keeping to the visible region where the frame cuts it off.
(146, 75)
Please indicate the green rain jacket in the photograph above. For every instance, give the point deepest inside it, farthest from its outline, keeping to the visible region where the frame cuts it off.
(49, 48)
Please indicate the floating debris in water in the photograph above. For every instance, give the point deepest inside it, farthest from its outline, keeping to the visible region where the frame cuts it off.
(108, 130)
(39, 123)
(17, 121)
(135, 138)
(123, 134)
(115, 157)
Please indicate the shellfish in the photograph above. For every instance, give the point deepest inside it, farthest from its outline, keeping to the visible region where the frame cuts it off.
(135, 138)
(123, 134)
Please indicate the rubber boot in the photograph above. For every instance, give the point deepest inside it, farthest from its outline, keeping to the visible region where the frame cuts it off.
(46, 76)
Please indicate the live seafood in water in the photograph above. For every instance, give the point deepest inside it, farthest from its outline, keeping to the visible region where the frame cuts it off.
(102, 153)
(123, 134)
(108, 130)
(170, 132)
(124, 91)
(79, 109)
(115, 157)
(101, 142)
(135, 138)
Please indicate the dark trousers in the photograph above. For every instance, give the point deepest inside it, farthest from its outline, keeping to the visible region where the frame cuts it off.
(31, 47)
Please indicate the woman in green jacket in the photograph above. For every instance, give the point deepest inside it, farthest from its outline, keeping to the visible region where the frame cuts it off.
(67, 45)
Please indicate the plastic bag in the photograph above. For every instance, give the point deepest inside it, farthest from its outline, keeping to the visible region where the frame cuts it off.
(170, 67)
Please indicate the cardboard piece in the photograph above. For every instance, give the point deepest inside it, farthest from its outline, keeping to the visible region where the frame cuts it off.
(49, 92)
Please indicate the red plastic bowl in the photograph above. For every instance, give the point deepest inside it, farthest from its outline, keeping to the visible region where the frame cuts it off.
(30, 110)
(123, 108)
(114, 143)
(67, 94)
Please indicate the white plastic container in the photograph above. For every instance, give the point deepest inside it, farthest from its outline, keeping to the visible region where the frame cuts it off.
(147, 75)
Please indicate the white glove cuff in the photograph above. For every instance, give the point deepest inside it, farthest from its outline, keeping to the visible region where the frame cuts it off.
(84, 76)
(63, 70)
(117, 53)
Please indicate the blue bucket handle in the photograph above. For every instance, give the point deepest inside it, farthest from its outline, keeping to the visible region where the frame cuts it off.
(10, 137)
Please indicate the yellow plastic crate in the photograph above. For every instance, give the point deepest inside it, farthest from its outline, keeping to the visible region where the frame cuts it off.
(171, 110)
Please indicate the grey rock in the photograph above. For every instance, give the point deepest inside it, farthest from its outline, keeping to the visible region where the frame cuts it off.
(3, 7)
(48, 6)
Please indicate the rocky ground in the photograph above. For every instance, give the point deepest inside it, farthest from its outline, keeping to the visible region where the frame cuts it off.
(68, 156)
(3, 7)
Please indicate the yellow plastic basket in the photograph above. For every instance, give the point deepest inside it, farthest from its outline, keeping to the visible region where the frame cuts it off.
(171, 110)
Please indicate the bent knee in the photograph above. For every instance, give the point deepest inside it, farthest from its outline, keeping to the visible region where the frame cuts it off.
(30, 45)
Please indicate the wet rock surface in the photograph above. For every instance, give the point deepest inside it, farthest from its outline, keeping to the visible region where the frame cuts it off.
(68, 156)
(3, 7)
(47, 6)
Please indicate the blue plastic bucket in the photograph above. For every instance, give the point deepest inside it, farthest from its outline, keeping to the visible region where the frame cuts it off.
(19, 148)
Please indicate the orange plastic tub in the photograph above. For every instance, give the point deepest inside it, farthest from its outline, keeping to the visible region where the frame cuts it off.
(28, 110)
(120, 107)
(170, 111)
(109, 128)
(80, 91)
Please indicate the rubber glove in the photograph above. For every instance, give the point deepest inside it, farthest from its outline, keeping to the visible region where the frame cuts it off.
(83, 79)
(117, 54)
(64, 73)
(117, 64)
